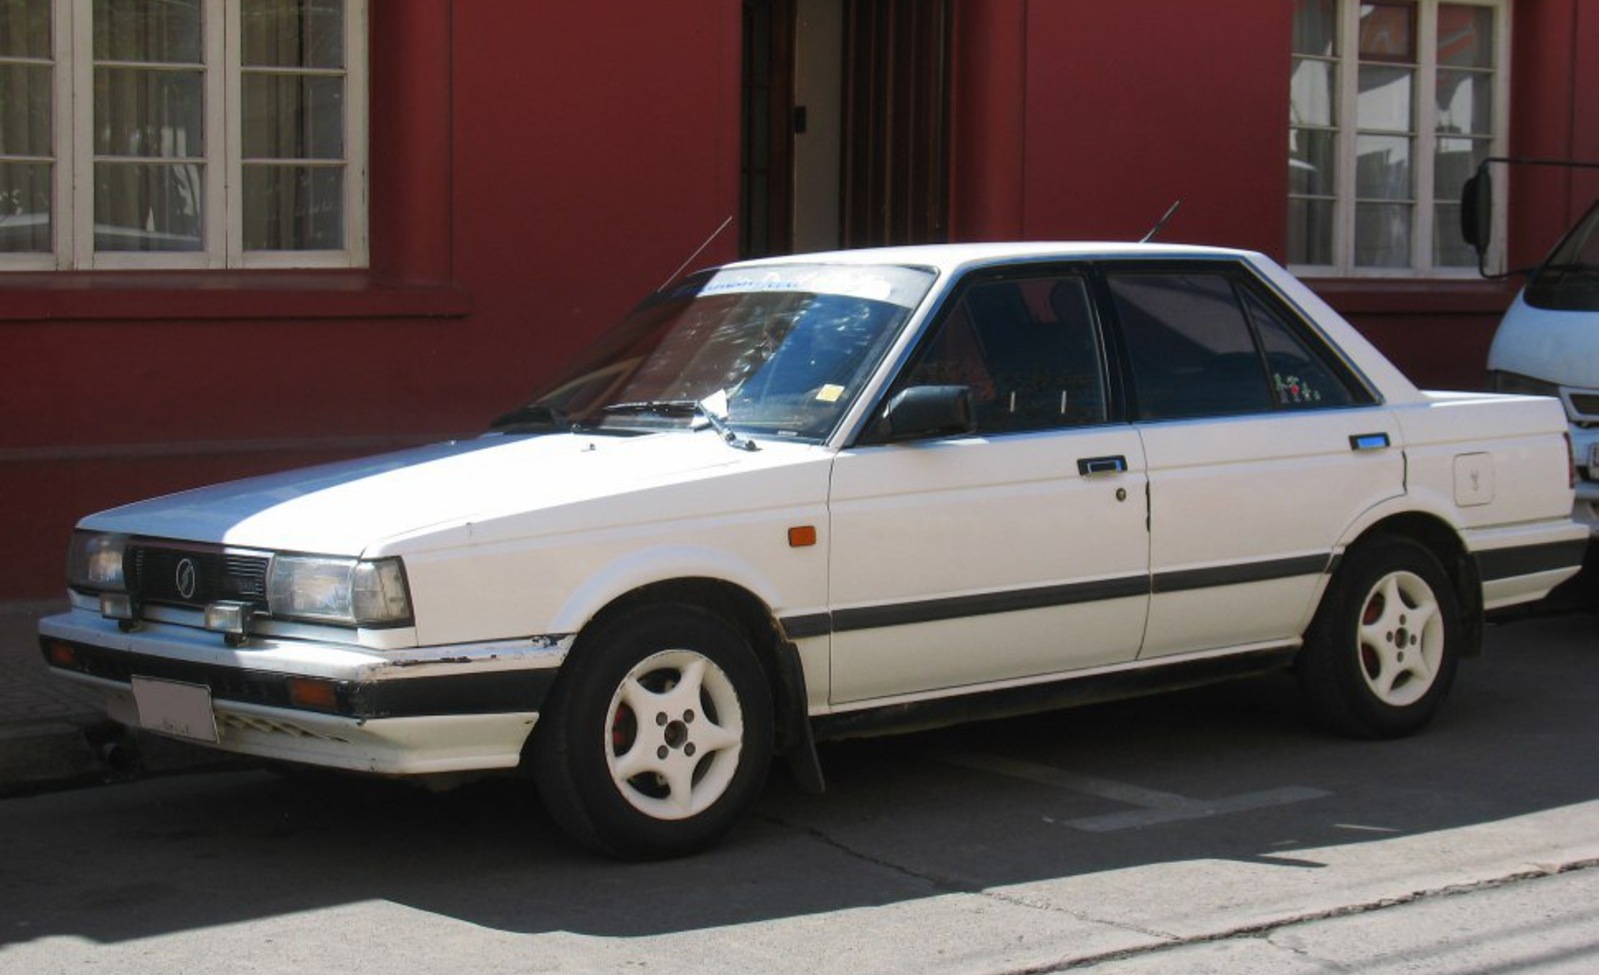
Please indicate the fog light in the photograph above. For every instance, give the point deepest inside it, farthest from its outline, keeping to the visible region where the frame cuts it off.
(230, 618)
(116, 606)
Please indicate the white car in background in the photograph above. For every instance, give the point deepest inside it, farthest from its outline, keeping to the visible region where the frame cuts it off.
(837, 494)
(1548, 345)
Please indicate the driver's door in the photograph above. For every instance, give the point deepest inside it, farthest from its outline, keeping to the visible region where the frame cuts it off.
(1015, 552)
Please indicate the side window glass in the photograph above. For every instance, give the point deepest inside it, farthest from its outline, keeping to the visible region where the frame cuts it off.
(1190, 346)
(1028, 350)
(1300, 377)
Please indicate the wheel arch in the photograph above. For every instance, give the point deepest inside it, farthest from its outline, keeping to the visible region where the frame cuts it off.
(777, 656)
(1446, 545)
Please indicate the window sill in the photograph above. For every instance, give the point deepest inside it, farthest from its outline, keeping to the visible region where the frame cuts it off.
(1415, 296)
(195, 295)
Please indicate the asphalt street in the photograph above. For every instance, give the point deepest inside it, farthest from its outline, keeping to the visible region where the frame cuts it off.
(1206, 831)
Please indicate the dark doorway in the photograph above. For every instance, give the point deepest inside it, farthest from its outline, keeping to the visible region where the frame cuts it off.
(767, 166)
(845, 123)
(896, 121)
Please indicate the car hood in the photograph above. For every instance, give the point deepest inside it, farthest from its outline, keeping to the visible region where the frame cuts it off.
(348, 508)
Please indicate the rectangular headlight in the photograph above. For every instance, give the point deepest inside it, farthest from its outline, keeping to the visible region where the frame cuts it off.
(94, 561)
(348, 592)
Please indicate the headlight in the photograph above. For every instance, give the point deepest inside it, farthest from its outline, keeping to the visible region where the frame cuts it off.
(350, 592)
(94, 561)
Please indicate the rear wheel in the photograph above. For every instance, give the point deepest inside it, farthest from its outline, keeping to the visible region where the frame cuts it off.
(1381, 655)
(658, 734)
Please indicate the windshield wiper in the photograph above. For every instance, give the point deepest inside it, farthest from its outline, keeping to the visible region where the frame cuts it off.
(532, 416)
(683, 408)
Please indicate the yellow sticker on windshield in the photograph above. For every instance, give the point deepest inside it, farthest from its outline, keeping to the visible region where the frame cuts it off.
(829, 393)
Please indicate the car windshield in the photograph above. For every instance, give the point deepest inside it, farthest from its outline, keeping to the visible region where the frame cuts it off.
(1569, 279)
(778, 350)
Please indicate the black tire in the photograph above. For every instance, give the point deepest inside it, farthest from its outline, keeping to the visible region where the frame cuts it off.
(1381, 654)
(674, 779)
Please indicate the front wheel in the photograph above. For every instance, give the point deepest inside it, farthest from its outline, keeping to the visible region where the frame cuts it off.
(1381, 654)
(658, 734)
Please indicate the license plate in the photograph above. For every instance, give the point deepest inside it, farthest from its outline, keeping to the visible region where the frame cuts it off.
(175, 708)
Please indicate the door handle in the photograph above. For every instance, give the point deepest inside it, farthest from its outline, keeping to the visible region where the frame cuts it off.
(1369, 441)
(1089, 466)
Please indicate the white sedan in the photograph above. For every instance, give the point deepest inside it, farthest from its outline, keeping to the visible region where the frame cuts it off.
(837, 494)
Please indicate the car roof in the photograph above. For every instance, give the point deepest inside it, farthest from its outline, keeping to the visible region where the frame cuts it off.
(950, 257)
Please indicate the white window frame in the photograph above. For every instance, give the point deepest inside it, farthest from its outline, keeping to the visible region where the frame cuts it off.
(1424, 152)
(72, 221)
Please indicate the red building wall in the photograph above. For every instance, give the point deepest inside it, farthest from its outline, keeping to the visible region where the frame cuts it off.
(536, 167)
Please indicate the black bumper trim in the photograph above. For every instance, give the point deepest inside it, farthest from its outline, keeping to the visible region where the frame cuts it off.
(1526, 560)
(406, 697)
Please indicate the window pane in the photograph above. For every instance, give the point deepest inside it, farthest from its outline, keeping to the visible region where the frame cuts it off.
(1454, 163)
(1385, 99)
(25, 194)
(1313, 93)
(1302, 377)
(293, 33)
(148, 113)
(294, 208)
(292, 116)
(25, 115)
(1465, 102)
(144, 207)
(1382, 167)
(1388, 32)
(25, 28)
(1316, 27)
(1310, 232)
(155, 31)
(1382, 235)
(1191, 349)
(1465, 36)
(1311, 162)
(1449, 248)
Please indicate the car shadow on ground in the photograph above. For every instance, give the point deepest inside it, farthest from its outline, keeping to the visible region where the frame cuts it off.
(1223, 773)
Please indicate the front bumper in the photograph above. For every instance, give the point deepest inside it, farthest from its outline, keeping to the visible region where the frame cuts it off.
(413, 712)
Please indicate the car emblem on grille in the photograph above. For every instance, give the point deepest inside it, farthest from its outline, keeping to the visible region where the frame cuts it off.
(185, 578)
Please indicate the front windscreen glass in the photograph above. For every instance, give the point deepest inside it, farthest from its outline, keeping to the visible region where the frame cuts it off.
(1569, 279)
(776, 351)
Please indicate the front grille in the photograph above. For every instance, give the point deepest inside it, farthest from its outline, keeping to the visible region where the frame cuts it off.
(193, 576)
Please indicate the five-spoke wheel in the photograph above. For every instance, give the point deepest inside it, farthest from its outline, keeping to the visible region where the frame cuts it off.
(657, 737)
(1381, 654)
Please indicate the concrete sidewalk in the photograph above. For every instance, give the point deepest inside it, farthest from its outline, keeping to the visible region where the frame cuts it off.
(54, 732)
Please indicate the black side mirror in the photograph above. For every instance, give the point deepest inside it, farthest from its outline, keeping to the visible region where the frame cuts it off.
(1476, 211)
(921, 412)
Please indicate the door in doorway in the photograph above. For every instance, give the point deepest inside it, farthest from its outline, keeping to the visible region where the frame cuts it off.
(845, 123)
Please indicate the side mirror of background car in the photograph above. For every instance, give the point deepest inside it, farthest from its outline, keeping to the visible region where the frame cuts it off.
(927, 411)
(1476, 211)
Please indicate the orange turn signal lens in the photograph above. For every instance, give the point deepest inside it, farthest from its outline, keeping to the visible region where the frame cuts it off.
(313, 694)
(61, 655)
(802, 536)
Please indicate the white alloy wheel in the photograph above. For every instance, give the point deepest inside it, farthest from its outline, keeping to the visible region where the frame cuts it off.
(675, 732)
(1382, 652)
(1401, 634)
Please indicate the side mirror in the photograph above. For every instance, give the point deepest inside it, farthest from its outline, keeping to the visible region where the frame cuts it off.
(1476, 211)
(921, 412)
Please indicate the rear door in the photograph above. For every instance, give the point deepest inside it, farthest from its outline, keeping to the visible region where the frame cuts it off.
(1262, 447)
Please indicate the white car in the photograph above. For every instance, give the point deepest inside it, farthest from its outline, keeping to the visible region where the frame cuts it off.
(837, 494)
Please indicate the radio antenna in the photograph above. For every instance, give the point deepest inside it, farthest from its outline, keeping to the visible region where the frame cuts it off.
(1161, 224)
(697, 252)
